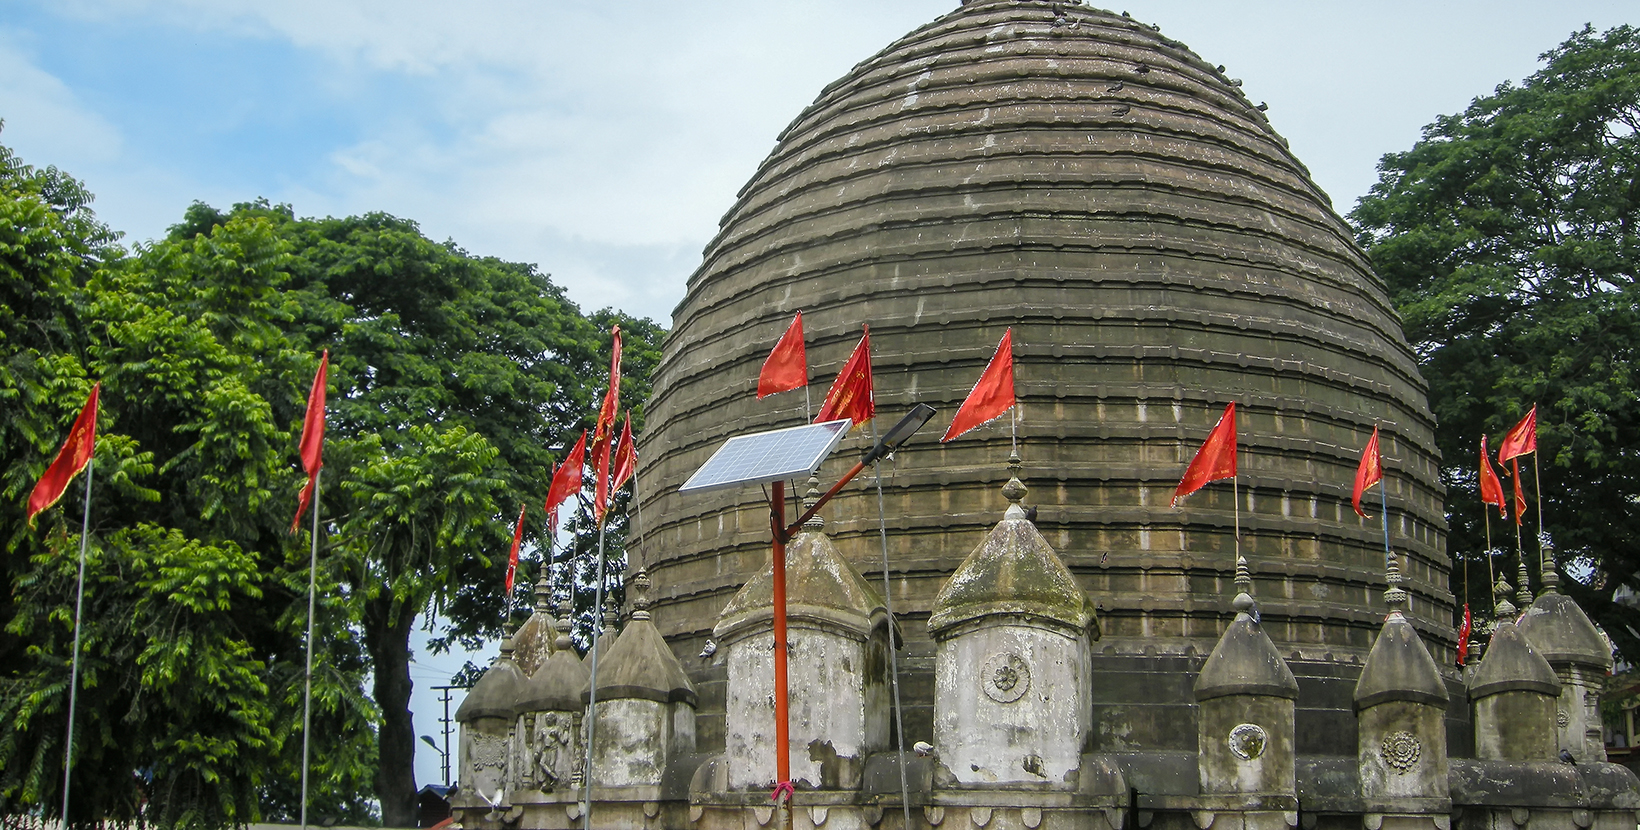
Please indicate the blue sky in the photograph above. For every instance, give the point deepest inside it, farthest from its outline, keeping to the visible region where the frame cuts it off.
(603, 141)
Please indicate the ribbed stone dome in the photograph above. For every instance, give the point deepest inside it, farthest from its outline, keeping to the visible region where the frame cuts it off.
(1075, 175)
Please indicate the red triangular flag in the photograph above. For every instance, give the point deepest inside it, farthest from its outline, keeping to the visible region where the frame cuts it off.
(992, 394)
(512, 558)
(850, 395)
(313, 438)
(1520, 500)
(1215, 460)
(604, 429)
(1491, 487)
(552, 509)
(1522, 440)
(71, 459)
(1463, 636)
(626, 458)
(566, 481)
(601, 488)
(787, 367)
(1370, 471)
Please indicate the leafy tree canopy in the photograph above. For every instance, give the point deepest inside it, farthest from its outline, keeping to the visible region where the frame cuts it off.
(1508, 239)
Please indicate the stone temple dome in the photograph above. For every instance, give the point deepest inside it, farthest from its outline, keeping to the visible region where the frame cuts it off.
(1158, 252)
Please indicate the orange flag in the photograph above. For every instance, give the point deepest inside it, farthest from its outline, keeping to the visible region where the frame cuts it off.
(71, 459)
(850, 396)
(992, 394)
(566, 481)
(1522, 440)
(1463, 635)
(1520, 500)
(512, 558)
(313, 438)
(603, 432)
(626, 458)
(787, 367)
(552, 509)
(1370, 472)
(1491, 487)
(1215, 460)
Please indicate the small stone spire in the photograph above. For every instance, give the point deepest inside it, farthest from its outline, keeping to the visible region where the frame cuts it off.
(1395, 597)
(816, 523)
(611, 613)
(561, 625)
(1243, 601)
(543, 590)
(507, 630)
(1014, 491)
(1523, 594)
(1503, 609)
(1551, 575)
(640, 595)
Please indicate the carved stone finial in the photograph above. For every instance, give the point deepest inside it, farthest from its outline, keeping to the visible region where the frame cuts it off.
(640, 595)
(1551, 574)
(561, 626)
(1504, 608)
(543, 590)
(612, 615)
(1523, 594)
(1243, 601)
(507, 630)
(810, 499)
(1395, 597)
(1014, 491)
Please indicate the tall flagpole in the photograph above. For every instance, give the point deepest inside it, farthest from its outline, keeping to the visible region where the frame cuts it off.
(1383, 510)
(307, 697)
(893, 656)
(74, 671)
(1537, 492)
(592, 688)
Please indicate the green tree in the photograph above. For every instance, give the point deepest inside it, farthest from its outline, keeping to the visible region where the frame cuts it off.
(1508, 239)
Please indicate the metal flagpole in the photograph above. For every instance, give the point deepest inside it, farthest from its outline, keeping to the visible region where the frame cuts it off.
(307, 699)
(1383, 509)
(1537, 492)
(893, 657)
(592, 688)
(74, 670)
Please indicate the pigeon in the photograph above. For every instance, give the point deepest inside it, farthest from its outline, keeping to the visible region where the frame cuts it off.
(1030, 513)
(1121, 110)
(1115, 87)
(1219, 69)
(925, 749)
(495, 803)
(711, 649)
(1142, 69)
(1566, 757)
(1262, 106)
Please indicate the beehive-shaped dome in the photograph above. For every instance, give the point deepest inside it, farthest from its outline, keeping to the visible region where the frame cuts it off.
(1116, 200)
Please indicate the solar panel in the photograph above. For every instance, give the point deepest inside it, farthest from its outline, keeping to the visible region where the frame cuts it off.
(768, 456)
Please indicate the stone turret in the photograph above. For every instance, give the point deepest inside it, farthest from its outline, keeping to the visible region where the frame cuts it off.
(1400, 701)
(550, 711)
(1011, 667)
(837, 641)
(646, 704)
(533, 641)
(486, 719)
(1514, 694)
(1559, 630)
(1245, 727)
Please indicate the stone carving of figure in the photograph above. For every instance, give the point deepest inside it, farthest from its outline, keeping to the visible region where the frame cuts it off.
(553, 755)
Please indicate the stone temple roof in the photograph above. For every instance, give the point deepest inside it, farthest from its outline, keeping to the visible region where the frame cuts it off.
(1013, 572)
(1512, 664)
(1559, 630)
(819, 583)
(1399, 668)
(1157, 250)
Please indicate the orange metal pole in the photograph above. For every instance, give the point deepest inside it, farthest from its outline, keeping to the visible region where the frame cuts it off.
(782, 750)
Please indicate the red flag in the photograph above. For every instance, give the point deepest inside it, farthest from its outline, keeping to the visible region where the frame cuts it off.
(566, 481)
(601, 488)
(1463, 636)
(626, 458)
(552, 509)
(1520, 500)
(787, 367)
(71, 459)
(1369, 473)
(1491, 487)
(850, 396)
(604, 429)
(1522, 440)
(1215, 460)
(992, 394)
(313, 438)
(512, 558)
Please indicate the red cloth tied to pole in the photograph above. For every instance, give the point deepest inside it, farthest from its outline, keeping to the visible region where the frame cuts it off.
(1215, 460)
(512, 558)
(76, 452)
(851, 396)
(787, 367)
(1491, 485)
(566, 481)
(1522, 440)
(311, 447)
(992, 394)
(1370, 472)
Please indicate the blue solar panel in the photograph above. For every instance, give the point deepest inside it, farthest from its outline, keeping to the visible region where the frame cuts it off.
(768, 456)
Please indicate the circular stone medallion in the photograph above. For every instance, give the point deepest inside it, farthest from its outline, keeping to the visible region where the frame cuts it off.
(1005, 678)
(1247, 741)
(1400, 751)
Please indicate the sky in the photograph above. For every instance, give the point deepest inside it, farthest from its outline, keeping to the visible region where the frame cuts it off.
(603, 141)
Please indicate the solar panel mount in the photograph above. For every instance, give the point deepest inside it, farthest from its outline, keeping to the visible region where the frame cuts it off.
(768, 456)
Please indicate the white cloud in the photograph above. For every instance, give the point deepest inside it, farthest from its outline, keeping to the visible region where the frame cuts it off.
(39, 109)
